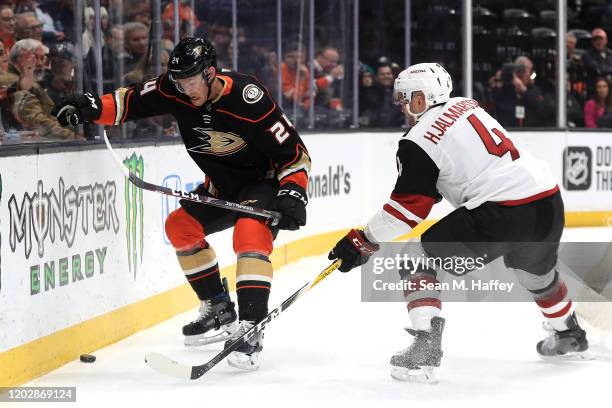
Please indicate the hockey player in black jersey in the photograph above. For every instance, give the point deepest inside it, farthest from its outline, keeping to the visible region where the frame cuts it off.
(250, 153)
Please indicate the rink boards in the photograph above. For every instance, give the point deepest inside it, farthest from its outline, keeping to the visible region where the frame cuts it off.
(85, 261)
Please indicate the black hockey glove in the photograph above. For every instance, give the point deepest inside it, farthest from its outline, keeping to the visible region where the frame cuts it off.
(76, 109)
(354, 250)
(291, 203)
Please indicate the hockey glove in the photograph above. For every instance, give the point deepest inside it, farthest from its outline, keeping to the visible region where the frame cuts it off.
(291, 203)
(354, 250)
(76, 109)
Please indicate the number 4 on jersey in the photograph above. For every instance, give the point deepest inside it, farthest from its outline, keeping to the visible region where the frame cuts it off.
(494, 148)
(279, 130)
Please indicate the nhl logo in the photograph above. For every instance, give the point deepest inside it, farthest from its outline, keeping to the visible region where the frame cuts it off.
(252, 94)
(577, 168)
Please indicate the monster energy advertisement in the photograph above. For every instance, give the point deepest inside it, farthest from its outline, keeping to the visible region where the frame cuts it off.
(61, 217)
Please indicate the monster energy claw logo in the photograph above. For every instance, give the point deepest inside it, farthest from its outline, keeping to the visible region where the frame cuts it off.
(134, 213)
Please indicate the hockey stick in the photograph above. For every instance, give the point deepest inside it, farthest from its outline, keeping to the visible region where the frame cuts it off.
(166, 365)
(273, 216)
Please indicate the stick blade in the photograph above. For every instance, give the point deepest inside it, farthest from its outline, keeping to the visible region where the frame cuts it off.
(167, 366)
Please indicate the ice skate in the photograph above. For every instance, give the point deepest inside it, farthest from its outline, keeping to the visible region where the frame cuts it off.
(417, 362)
(567, 345)
(216, 323)
(246, 356)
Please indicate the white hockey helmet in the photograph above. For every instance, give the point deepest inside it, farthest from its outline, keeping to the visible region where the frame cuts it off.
(429, 78)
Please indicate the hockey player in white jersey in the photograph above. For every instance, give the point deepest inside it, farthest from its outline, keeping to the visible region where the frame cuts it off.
(502, 195)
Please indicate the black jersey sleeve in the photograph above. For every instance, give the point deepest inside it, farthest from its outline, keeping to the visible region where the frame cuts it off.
(150, 98)
(415, 190)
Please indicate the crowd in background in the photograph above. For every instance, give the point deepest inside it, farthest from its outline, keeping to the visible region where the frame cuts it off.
(39, 64)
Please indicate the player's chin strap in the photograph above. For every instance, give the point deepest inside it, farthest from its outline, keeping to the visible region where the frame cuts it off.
(272, 217)
(417, 116)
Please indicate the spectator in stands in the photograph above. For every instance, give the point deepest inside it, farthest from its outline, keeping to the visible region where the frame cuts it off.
(138, 11)
(595, 108)
(90, 24)
(366, 97)
(518, 101)
(59, 82)
(31, 104)
(7, 26)
(295, 79)
(3, 57)
(62, 13)
(598, 59)
(149, 127)
(114, 61)
(382, 112)
(28, 26)
(136, 43)
(575, 69)
(574, 113)
(187, 17)
(328, 73)
(49, 33)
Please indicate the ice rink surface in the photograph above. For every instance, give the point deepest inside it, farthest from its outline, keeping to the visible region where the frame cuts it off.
(330, 348)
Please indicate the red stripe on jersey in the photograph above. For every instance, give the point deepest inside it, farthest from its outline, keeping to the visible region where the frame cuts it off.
(424, 302)
(399, 215)
(417, 204)
(299, 177)
(554, 298)
(560, 313)
(247, 119)
(109, 111)
(530, 199)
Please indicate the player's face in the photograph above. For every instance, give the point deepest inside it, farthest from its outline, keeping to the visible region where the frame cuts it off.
(416, 106)
(195, 88)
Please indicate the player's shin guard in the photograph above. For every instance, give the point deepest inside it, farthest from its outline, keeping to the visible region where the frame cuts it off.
(423, 305)
(253, 282)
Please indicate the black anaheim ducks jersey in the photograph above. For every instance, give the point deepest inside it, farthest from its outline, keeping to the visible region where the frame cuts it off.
(241, 137)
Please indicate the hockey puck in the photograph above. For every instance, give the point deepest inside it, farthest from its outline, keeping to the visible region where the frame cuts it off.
(88, 358)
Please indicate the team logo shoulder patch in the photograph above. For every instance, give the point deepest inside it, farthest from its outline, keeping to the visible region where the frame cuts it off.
(252, 93)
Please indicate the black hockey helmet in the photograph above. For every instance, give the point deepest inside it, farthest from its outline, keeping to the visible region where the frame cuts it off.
(191, 56)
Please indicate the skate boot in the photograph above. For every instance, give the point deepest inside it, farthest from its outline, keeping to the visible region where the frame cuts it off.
(567, 345)
(417, 362)
(216, 314)
(246, 356)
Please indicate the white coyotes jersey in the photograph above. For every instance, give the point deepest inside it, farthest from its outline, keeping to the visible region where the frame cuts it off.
(477, 160)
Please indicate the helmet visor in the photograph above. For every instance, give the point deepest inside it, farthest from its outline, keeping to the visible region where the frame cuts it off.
(403, 89)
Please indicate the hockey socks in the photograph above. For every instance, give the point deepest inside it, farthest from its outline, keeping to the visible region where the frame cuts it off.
(253, 282)
(554, 303)
(202, 271)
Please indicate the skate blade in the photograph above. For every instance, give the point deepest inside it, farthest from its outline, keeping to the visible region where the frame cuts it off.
(586, 355)
(244, 361)
(198, 340)
(425, 374)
